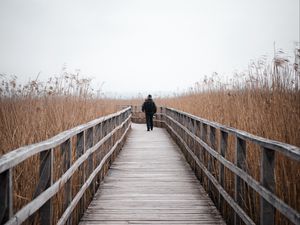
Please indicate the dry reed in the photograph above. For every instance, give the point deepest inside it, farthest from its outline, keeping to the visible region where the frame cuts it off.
(37, 111)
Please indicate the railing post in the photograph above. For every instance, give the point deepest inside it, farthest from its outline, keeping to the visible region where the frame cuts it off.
(203, 136)
(66, 148)
(80, 149)
(240, 161)
(194, 128)
(197, 148)
(88, 144)
(46, 177)
(6, 195)
(212, 140)
(223, 150)
(267, 180)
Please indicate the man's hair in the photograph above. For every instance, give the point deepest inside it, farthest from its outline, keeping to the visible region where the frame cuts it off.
(149, 96)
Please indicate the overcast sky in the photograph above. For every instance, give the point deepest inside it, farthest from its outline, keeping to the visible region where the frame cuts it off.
(142, 46)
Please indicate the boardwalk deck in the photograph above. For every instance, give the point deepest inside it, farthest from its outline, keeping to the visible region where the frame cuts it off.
(151, 183)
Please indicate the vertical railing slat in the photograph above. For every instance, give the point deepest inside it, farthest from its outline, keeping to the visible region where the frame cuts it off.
(89, 144)
(66, 148)
(223, 150)
(267, 179)
(46, 176)
(212, 140)
(6, 195)
(203, 136)
(80, 149)
(240, 161)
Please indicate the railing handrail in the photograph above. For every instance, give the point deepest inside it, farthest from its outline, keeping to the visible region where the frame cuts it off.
(18, 155)
(286, 149)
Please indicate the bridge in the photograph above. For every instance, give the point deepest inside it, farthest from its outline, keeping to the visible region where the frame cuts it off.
(112, 171)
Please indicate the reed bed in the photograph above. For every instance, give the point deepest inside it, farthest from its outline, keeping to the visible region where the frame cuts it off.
(37, 111)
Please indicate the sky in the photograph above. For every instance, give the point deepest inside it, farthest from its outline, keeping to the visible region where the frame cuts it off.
(139, 46)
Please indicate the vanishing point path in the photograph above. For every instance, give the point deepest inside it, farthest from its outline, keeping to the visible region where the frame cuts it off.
(150, 182)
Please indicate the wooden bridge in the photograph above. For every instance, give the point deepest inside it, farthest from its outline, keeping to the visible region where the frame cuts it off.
(150, 182)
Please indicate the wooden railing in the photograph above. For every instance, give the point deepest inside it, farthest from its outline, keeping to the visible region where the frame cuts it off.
(198, 137)
(139, 117)
(97, 144)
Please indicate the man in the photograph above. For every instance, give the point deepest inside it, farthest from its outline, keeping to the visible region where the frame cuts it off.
(149, 108)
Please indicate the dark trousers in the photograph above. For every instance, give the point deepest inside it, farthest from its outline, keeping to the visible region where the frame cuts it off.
(149, 121)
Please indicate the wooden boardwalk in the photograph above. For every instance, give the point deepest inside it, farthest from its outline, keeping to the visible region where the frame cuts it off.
(150, 182)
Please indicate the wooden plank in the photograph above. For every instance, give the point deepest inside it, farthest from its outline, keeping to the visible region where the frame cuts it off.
(240, 162)
(80, 150)
(66, 149)
(148, 184)
(46, 175)
(267, 179)
(6, 195)
(112, 222)
(223, 150)
(212, 141)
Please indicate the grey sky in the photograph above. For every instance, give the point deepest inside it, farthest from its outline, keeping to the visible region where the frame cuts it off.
(142, 46)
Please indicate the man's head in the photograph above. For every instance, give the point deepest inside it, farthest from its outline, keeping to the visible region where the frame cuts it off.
(149, 96)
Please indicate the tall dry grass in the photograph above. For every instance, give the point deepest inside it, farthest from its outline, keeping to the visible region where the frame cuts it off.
(37, 111)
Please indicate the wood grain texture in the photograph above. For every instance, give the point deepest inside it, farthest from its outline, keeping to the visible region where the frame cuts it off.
(151, 183)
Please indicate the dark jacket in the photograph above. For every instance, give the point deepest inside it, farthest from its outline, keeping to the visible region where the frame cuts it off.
(149, 106)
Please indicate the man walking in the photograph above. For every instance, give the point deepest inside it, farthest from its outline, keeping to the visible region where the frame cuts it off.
(149, 108)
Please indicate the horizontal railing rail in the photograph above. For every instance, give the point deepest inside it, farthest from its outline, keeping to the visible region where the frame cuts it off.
(97, 144)
(191, 131)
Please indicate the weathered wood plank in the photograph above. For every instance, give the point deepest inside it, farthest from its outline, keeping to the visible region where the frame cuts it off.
(46, 177)
(267, 179)
(80, 150)
(66, 149)
(240, 162)
(150, 182)
(223, 150)
(6, 195)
